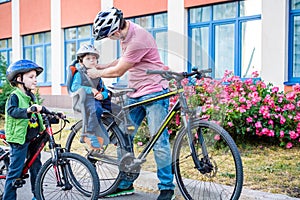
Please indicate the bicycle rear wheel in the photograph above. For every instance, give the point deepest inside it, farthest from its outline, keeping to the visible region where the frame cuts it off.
(223, 178)
(79, 179)
(4, 162)
(106, 160)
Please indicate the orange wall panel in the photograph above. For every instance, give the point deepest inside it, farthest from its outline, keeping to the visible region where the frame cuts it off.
(5, 20)
(137, 7)
(79, 12)
(44, 90)
(191, 3)
(34, 16)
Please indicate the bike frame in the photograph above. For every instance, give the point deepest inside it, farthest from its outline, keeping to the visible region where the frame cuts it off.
(43, 138)
(180, 104)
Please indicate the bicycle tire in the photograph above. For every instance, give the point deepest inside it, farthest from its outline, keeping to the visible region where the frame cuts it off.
(225, 181)
(106, 161)
(4, 163)
(82, 176)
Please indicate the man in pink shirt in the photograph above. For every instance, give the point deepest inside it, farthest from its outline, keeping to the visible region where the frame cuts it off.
(139, 53)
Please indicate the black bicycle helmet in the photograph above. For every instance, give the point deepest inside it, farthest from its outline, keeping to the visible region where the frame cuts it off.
(21, 67)
(107, 23)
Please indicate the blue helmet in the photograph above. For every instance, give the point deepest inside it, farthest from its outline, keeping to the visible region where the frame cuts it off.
(21, 67)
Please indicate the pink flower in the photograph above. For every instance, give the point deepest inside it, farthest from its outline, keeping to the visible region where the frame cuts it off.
(217, 137)
(275, 89)
(293, 135)
(289, 145)
(177, 120)
(140, 143)
(170, 131)
(249, 119)
(258, 124)
(255, 74)
(281, 134)
(296, 87)
(230, 124)
(291, 96)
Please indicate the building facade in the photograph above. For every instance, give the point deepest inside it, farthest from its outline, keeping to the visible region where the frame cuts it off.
(240, 36)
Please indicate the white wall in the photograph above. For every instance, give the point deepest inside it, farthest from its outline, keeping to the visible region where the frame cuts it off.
(16, 38)
(274, 41)
(177, 35)
(57, 57)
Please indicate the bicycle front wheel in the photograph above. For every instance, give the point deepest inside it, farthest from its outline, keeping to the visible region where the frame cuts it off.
(106, 160)
(74, 177)
(219, 175)
(4, 162)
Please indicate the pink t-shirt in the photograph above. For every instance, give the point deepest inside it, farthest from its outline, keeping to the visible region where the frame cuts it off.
(139, 47)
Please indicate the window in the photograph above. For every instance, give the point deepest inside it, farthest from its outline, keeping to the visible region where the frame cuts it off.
(226, 37)
(157, 25)
(294, 42)
(4, 1)
(74, 38)
(6, 50)
(37, 47)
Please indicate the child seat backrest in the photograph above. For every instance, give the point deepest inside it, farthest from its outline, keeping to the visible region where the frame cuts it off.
(78, 97)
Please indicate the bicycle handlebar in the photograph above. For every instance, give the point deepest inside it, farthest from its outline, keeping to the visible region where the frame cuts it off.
(180, 75)
(48, 112)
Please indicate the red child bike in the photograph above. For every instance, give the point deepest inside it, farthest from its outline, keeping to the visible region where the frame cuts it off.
(64, 175)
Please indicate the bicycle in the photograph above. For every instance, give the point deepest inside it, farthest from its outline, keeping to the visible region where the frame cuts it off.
(64, 174)
(205, 168)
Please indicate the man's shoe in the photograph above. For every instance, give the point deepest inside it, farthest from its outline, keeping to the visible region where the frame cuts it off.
(122, 192)
(166, 195)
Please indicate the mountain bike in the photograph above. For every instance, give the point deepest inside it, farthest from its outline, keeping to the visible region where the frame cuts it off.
(205, 158)
(64, 175)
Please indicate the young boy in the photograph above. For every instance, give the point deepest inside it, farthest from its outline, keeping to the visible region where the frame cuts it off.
(21, 124)
(97, 97)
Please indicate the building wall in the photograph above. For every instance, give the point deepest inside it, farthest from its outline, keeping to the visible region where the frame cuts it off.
(5, 20)
(33, 16)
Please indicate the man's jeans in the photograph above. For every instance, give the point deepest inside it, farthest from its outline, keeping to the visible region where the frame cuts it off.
(18, 155)
(155, 113)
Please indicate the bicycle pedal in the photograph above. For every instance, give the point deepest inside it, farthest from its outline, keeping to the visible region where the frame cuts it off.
(18, 183)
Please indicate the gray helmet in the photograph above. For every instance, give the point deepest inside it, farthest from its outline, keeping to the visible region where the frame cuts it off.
(107, 23)
(87, 49)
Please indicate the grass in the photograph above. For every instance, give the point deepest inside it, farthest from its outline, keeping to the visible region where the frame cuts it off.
(266, 168)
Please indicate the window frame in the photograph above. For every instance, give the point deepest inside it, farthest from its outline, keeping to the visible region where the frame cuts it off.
(237, 21)
(7, 50)
(292, 14)
(77, 42)
(34, 46)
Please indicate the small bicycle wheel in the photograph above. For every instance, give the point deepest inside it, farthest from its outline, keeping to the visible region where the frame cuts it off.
(4, 162)
(78, 179)
(106, 160)
(218, 176)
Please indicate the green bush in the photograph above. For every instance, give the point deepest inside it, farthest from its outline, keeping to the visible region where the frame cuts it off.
(5, 87)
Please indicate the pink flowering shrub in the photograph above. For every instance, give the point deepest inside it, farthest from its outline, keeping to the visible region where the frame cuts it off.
(248, 107)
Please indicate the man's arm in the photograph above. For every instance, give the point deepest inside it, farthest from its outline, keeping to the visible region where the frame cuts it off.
(111, 72)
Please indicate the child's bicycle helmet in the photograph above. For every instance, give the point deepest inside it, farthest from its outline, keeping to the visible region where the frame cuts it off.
(21, 67)
(107, 23)
(87, 49)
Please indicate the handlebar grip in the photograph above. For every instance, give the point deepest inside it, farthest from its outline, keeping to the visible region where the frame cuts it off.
(33, 108)
(206, 71)
(153, 71)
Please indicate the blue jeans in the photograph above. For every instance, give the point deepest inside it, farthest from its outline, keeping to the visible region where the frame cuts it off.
(18, 154)
(155, 113)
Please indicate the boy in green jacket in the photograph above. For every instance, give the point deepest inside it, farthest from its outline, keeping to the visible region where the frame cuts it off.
(21, 124)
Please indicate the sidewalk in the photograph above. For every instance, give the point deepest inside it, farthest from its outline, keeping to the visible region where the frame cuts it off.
(147, 181)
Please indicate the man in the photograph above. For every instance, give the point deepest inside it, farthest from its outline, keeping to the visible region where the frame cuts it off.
(139, 53)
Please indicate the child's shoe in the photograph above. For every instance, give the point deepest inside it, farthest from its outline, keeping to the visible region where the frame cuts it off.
(95, 142)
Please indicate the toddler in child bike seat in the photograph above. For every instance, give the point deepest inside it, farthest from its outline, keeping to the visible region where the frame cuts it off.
(97, 97)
